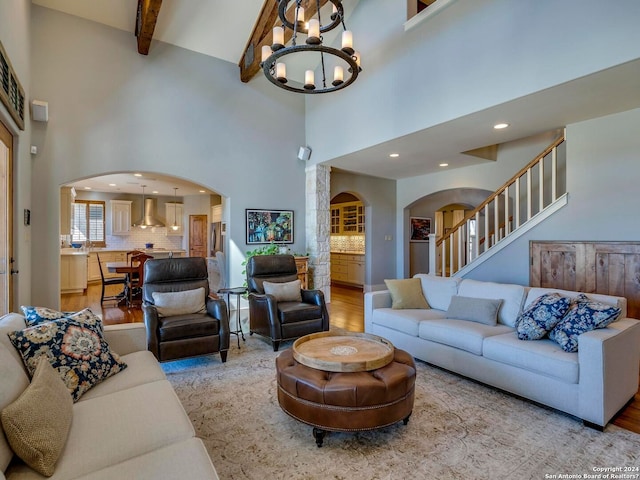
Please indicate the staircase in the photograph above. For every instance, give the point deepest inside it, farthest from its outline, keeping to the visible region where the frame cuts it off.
(528, 198)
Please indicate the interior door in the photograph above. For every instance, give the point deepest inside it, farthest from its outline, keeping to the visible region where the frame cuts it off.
(6, 230)
(198, 236)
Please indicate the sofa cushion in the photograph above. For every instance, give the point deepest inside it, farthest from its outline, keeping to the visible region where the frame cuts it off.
(13, 374)
(620, 302)
(285, 291)
(583, 316)
(77, 351)
(438, 290)
(406, 321)
(114, 428)
(179, 303)
(38, 422)
(406, 293)
(481, 310)
(542, 357)
(186, 459)
(512, 297)
(37, 315)
(541, 316)
(142, 367)
(461, 334)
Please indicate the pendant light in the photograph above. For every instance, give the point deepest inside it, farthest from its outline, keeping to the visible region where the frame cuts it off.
(142, 224)
(175, 226)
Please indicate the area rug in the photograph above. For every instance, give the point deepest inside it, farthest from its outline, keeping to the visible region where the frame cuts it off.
(459, 429)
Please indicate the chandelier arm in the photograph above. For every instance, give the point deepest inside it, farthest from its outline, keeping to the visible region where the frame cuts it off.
(324, 73)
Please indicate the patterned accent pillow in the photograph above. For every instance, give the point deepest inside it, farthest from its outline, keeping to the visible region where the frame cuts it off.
(38, 315)
(544, 313)
(78, 352)
(584, 315)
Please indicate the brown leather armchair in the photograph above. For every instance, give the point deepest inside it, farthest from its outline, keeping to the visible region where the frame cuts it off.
(282, 320)
(184, 334)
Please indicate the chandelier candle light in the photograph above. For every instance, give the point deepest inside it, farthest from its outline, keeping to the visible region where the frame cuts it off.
(273, 64)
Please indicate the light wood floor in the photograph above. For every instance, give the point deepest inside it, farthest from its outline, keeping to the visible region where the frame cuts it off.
(346, 311)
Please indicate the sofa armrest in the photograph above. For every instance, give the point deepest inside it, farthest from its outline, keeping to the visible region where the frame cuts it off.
(126, 338)
(373, 300)
(609, 361)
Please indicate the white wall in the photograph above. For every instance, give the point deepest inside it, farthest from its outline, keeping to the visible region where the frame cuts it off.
(471, 56)
(15, 36)
(603, 167)
(173, 112)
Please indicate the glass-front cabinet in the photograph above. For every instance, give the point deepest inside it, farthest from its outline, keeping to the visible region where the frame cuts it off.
(351, 218)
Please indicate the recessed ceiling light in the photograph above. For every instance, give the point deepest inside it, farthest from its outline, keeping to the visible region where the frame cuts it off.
(394, 155)
(112, 184)
(500, 126)
(444, 165)
(137, 174)
(155, 191)
(87, 188)
(201, 191)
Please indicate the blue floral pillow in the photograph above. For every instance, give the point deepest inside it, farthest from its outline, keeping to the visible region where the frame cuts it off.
(584, 315)
(38, 315)
(78, 351)
(541, 316)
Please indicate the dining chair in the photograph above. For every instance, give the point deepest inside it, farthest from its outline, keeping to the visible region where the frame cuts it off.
(136, 277)
(109, 281)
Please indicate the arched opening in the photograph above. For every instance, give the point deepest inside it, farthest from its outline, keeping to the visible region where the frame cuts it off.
(106, 216)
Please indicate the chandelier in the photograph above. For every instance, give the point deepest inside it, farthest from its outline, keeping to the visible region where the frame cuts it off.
(337, 61)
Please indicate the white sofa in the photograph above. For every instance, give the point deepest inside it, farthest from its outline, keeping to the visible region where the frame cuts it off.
(132, 425)
(592, 384)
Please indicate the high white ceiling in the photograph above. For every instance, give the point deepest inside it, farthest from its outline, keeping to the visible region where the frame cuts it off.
(220, 28)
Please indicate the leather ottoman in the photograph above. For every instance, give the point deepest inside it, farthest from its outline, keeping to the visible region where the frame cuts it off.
(346, 401)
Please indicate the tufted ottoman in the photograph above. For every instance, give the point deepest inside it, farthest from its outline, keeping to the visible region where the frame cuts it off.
(346, 401)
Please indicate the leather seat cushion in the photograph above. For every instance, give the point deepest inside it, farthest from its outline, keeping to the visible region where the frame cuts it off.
(187, 326)
(290, 312)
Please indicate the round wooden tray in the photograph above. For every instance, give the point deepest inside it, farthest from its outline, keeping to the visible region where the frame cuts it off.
(347, 352)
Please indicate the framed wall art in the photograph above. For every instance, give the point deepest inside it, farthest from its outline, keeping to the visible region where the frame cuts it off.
(420, 229)
(267, 226)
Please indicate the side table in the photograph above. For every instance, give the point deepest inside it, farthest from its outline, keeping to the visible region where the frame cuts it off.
(238, 292)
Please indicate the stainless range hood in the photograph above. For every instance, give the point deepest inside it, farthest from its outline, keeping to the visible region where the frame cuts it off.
(148, 217)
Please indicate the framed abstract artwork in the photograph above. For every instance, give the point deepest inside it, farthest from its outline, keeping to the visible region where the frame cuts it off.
(267, 226)
(420, 229)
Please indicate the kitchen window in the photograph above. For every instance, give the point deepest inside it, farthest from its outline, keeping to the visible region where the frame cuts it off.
(87, 223)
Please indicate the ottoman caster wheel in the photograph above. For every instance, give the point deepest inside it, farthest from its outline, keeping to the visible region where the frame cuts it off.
(319, 434)
(406, 419)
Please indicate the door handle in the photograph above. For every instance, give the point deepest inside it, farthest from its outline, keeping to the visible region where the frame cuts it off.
(14, 272)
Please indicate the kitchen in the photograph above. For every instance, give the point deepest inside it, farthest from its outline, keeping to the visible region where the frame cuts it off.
(106, 217)
(347, 240)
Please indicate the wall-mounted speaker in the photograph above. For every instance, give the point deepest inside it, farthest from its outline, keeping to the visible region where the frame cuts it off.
(40, 111)
(304, 153)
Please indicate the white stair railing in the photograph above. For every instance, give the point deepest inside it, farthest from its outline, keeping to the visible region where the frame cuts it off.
(505, 211)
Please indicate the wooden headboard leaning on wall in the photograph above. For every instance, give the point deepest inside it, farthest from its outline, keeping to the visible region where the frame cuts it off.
(611, 268)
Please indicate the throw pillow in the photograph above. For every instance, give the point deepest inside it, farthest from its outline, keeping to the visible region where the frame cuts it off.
(38, 315)
(584, 315)
(285, 291)
(185, 302)
(541, 316)
(37, 422)
(77, 351)
(406, 293)
(480, 310)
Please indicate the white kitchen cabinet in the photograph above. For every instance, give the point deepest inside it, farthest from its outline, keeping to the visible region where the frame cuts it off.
(120, 217)
(174, 212)
(73, 273)
(347, 268)
(216, 213)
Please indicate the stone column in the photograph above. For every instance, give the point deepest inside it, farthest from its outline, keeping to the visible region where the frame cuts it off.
(318, 227)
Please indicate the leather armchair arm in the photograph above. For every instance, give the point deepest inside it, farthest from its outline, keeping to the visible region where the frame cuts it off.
(263, 314)
(217, 308)
(316, 297)
(150, 314)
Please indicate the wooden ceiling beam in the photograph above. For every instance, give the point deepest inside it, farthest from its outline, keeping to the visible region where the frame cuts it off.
(262, 34)
(146, 18)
